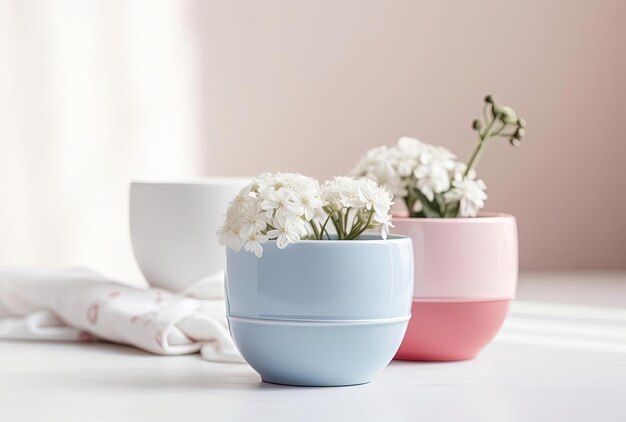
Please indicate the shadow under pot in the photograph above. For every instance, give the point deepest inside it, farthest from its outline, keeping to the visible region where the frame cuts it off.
(320, 312)
(465, 278)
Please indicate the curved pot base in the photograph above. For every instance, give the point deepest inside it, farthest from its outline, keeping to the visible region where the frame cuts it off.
(322, 355)
(269, 381)
(451, 331)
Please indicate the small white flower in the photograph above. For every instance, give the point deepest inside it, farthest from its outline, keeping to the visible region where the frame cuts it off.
(432, 179)
(228, 234)
(410, 164)
(254, 242)
(307, 202)
(278, 200)
(288, 207)
(385, 224)
(264, 181)
(411, 145)
(288, 229)
(343, 192)
(229, 237)
(254, 221)
(470, 194)
(356, 202)
(381, 165)
(433, 171)
(412, 169)
(375, 197)
(244, 198)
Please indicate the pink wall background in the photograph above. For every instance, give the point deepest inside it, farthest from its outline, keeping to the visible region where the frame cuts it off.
(310, 85)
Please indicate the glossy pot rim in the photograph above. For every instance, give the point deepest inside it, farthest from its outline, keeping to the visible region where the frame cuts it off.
(370, 239)
(483, 217)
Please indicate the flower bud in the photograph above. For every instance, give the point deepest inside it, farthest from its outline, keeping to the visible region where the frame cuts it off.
(477, 124)
(508, 115)
(489, 99)
(522, 123)
(514, 141)
(520, 133)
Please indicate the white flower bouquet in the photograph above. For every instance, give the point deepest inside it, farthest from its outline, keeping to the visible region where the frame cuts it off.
(288, 207)
(432, 183)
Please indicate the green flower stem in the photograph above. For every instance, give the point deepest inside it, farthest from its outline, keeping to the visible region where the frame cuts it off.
(314, 226)
(452, 210)
(338, 225)
(340, 220)
(409, 204)
(495, 133)
(342, 225)
(485, 118)
(358, 233)
(504, 135)
(355, 230)
(323, 229)
(483, 137)
(410, 201)
(430, 209)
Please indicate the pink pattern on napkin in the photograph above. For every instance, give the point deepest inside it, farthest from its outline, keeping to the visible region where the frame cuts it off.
(92, 313)
(86, 336)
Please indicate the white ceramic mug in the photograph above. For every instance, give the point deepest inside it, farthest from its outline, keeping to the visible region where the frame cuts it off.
(173, 226)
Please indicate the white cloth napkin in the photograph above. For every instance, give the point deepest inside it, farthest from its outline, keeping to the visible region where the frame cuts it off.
(82, 305)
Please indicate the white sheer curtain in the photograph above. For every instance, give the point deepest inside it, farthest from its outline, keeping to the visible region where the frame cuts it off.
(92, 93)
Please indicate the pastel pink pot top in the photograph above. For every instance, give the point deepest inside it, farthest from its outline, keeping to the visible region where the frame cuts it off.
(459, 259)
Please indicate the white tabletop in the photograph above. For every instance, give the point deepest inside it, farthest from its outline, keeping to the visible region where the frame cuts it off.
(560, 356)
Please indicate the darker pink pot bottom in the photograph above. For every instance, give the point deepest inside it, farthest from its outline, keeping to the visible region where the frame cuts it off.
(448, 331)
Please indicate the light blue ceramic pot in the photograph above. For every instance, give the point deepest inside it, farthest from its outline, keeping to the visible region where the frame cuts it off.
(322, 312)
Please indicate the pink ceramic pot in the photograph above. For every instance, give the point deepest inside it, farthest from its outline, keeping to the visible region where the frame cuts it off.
(465, 278)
